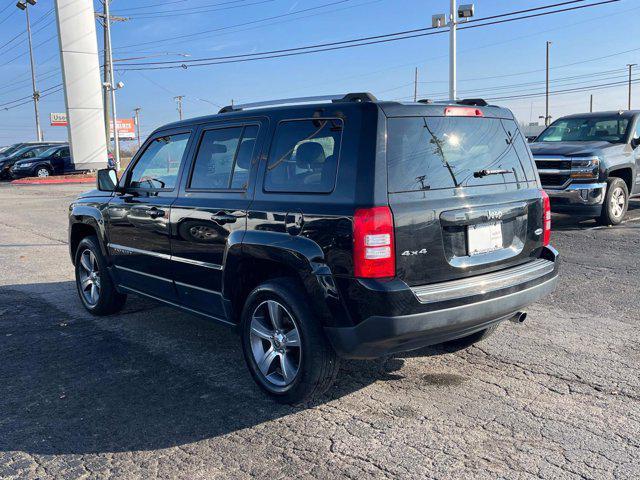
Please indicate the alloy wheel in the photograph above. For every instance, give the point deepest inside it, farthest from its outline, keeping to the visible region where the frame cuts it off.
(617, 202)
(42, 172)
(275, 343)
(89, 277)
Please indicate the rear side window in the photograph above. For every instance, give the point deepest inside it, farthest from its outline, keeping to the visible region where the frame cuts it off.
(224, 158)
(304, 156)
(444, 152)
(158, 166)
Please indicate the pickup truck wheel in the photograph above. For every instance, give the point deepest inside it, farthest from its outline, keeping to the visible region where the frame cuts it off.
(616, 202)
(466, 342)
(284, 345)
(95, 287)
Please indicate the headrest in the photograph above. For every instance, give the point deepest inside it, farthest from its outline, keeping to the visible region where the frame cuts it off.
(243, 158)
(310, 154)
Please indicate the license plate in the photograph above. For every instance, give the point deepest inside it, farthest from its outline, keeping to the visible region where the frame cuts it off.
(484, 238)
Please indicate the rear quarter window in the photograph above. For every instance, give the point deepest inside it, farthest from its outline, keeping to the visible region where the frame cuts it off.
(304, 156)
(445, 152)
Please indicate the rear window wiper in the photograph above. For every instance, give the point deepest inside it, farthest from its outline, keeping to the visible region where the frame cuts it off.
(484, 173)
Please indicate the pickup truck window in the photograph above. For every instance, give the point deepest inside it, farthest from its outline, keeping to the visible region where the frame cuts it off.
(304, 156)
(158, 166)
(586, 129)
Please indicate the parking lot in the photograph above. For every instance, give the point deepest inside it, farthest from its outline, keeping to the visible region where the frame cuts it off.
(157, 393)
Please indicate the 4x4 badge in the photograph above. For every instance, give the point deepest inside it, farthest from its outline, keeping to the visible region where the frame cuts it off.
(408, 253)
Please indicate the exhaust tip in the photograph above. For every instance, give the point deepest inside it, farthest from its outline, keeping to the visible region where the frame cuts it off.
(519, 317)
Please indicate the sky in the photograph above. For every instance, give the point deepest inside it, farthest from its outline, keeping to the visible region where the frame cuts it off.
(590, 47)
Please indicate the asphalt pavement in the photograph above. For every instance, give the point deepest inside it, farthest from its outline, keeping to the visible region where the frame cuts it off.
(155, 393)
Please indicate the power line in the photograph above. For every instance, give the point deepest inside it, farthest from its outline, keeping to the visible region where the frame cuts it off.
(390, 37)
(191, 35)
(195, 11)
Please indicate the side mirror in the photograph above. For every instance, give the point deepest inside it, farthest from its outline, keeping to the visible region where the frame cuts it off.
(635, 142)
(107, 180)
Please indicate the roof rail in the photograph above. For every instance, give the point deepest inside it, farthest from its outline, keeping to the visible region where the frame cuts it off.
(473, 102)
(427, 101)
(349, 97)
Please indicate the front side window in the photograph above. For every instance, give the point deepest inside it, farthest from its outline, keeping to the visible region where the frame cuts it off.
(304, 156)
(224, 158)
(158, 166)
(587, 129)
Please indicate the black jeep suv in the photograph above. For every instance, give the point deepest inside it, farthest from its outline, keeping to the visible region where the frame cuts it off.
(346, 227)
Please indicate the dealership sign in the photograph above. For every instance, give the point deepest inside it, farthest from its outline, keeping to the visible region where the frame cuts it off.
(126, 129)
(58, 119)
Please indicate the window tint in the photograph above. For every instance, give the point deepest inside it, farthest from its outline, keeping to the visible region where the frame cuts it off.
(224, 158)
(65, 152)
(304, 156)
(159, 164)
(445, 152)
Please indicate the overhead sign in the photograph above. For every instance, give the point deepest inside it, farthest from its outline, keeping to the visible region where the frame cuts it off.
(126, 129)
(58, 119)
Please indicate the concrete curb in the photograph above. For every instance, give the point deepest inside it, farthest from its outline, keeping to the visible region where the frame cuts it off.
(52, 180)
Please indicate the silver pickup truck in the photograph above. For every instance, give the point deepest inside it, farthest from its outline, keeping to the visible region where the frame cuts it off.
(589, 163)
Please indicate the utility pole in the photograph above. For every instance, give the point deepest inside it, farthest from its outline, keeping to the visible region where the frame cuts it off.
(137, 113)
(415, 86)
(24, 5)
(106, 68)
(179, 100)
(591, 103)
(630, 65)
(109, 85)
(546, 114)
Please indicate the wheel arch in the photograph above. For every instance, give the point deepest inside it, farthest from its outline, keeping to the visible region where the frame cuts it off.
(83, 222)
(255, 261)
(625, 173)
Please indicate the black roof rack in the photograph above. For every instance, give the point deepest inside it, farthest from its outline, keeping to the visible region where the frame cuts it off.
(473, 102)
(349, 97)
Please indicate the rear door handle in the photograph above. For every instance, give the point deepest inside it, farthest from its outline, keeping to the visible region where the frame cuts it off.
(221, 218)
(155, 212)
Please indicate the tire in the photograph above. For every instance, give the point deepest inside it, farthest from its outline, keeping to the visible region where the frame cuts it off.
(312, 365)
(42, 172)
(95, 287)
(466, 342)
(616, 202)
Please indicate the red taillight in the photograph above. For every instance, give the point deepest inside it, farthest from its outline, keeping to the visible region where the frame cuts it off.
(373, 244)
(546, 218)
(463, 112)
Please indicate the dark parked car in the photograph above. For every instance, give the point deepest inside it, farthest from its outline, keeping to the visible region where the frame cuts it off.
(589, 163)
(23, 153)
(352, 228)
(53, 161)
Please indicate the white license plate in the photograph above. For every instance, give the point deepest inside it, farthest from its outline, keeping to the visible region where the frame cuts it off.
(484, 238)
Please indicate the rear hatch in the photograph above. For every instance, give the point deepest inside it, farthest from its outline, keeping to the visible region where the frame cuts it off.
(464, 193)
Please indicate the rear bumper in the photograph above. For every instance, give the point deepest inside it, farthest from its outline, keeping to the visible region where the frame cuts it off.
(380, 335)
(578, 198)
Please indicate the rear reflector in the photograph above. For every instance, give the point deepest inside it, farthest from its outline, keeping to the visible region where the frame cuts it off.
(546, 218)
(373, 243)
(463, 112)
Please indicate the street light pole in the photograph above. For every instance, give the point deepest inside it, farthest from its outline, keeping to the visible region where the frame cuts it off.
(452, 52)
(630, 65)
(546, 114)
(24, 5)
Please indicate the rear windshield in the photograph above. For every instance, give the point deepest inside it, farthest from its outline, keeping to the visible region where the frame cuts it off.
(444, 152)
